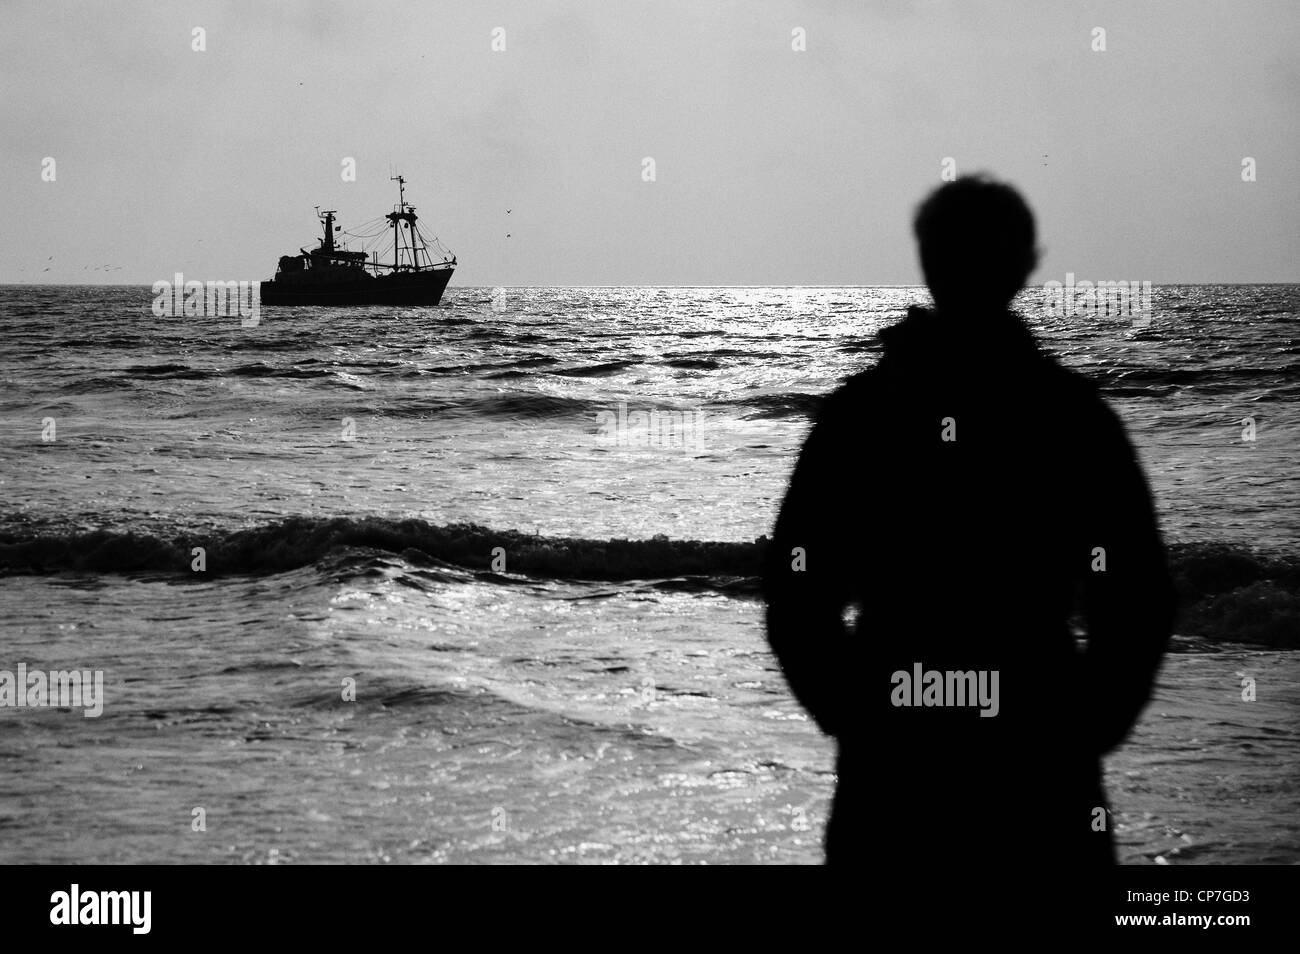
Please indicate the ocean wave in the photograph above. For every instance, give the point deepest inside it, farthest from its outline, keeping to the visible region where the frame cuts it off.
(1191, 376)
(862, 346)
(152, 370)
(301, 541)
(519, 405)
(1234, 593)
(262, 370)
(594, 370)
(529, 406)
(99, 383)
(1226, 593)
(776, 406)
(692, 364)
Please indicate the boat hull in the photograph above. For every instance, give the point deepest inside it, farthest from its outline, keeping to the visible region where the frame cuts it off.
(403, 288)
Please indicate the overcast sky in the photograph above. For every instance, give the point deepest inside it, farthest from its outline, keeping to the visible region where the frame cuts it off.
(772, 166)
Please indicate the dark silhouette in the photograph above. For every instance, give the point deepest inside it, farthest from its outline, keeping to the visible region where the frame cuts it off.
(967, 495)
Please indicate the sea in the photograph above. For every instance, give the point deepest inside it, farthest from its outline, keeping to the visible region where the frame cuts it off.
(475, 583)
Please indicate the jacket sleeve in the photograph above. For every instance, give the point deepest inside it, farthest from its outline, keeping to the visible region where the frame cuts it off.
(1128, 598)
(805, 578)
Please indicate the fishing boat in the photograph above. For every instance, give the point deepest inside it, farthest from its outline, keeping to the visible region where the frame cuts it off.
(409, 274)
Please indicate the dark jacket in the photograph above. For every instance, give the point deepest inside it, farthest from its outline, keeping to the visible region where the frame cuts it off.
(968, 554)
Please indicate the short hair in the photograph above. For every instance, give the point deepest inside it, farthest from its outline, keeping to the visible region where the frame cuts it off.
(975, 232)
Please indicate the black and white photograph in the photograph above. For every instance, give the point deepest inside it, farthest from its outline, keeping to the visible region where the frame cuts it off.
(690, 432)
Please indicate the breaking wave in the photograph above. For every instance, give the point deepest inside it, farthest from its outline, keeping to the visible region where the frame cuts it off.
(1226, 593)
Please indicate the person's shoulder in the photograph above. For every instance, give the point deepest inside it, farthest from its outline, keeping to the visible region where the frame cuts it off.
(852, 394)
(1078, 399)
(1078, 385)
(1073, 384)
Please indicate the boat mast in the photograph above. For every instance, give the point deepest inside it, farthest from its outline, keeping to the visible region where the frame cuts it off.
(404, 213)
(397, 245)
(327, 244)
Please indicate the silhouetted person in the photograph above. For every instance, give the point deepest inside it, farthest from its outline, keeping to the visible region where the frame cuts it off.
(968, 493)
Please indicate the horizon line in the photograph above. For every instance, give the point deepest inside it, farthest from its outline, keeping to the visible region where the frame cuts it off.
(631, 285)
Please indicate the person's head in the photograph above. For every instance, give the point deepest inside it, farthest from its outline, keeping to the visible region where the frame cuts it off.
(976, 238)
